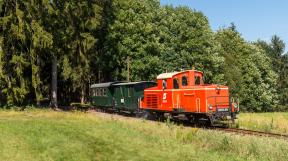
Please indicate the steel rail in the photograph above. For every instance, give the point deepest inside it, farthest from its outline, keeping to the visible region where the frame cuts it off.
(251, 132)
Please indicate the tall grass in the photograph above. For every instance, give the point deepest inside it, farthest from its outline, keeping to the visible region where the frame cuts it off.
(268, 122)
(48, 135)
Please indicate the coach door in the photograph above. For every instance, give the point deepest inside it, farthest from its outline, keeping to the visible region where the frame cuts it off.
(118, 97)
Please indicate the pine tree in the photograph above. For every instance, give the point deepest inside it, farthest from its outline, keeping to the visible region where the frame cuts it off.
(85, 18)
(14, 46)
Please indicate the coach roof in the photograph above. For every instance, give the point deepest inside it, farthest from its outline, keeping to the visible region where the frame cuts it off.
(102, 85)
(132, 83)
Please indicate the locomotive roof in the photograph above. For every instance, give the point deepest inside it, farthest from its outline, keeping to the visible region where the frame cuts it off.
(167, 75)
(170, 75)
(132, 83)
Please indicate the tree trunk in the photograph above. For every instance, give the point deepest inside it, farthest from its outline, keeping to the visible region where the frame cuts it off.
(128, 69)
(54, 103)
(82, 95)
(37, 89)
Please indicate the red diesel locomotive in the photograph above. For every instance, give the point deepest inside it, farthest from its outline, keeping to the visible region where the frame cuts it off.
(184, 94)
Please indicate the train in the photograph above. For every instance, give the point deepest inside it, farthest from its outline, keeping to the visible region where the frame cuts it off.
(177, 95)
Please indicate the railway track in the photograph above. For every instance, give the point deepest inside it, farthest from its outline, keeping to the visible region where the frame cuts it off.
(223, 129)
(251, 132)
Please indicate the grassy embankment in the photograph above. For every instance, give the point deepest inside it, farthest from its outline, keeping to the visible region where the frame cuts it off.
(47, 135)
(268, 122)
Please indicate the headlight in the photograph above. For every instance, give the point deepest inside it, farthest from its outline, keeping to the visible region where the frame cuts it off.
(210, 107)
(236, 107)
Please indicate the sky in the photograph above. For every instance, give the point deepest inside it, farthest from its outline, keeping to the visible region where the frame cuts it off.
(254, 19)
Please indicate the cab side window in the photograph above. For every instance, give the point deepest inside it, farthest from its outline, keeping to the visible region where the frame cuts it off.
(175, 83)
(164, 84)
(197, 80)
(184, 81)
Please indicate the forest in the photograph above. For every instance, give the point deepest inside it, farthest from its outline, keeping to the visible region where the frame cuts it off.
(53, 50)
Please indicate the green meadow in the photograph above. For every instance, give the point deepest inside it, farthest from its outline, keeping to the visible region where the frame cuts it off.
(268, 122)
(44, 135)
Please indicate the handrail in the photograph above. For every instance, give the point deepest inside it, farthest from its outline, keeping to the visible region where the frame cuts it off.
(216, 104)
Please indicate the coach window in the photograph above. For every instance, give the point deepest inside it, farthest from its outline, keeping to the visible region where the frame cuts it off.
(175, 83)
(96, 91)
(101, 91)
(105, 92)
(92, 92)
(129, 91)
(184, 81)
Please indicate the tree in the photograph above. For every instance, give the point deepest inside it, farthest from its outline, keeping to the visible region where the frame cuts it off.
(248, 72)
(187, 41)
(275, 51)
(158, 39)
(132, 34)
(84, 19)
(23, 39)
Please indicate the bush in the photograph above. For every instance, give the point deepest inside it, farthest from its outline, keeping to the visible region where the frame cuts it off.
(80, 106)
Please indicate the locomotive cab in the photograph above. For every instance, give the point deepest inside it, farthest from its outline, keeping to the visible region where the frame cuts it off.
(185, 94)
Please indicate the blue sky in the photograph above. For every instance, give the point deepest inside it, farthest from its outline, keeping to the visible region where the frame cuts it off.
(254, 19)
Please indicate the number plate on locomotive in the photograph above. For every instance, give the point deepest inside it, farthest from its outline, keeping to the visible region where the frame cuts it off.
(223, 109)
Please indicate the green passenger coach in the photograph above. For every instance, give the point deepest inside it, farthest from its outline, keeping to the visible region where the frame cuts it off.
(101, 94)
(127, 95)
(119, 96)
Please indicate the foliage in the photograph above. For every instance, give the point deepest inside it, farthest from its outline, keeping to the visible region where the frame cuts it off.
(248, 72)
(275, 51)
(83, 19)
(132, 35)
(107, 40)
(188, 43)
(22, 40)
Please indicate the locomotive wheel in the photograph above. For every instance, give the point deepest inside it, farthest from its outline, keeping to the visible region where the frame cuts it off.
(148, 115)
(202, 122)
(160, 117)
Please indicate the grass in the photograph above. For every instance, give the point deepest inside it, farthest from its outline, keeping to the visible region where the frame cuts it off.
(268, 122)
(64, 136)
